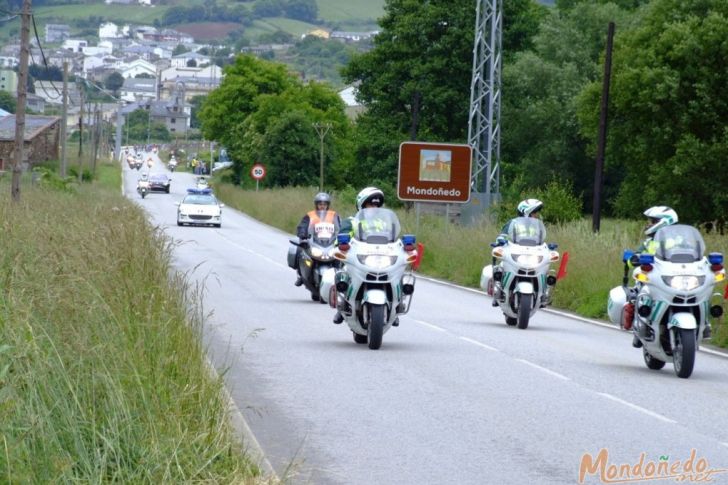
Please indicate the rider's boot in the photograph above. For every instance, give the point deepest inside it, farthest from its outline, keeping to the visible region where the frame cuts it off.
(338, 318)
(707, 331)
(636, 342)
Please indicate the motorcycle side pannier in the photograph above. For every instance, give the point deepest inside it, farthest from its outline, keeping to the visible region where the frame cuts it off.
(292, 259)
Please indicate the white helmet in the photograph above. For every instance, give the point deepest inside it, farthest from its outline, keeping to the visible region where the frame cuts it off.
(529, 206)
(371, 195)
(660, 216)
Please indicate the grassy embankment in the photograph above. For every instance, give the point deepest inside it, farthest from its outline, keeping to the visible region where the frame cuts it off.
(102, 371)
(458, 254)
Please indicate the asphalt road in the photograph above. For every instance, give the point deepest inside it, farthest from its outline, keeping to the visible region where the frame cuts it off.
(453, 396)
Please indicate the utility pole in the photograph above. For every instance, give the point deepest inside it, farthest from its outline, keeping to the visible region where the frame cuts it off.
(22, 96)
(322, 129)
(602, 138)
(80, 138)
(64, 117)
(97, 136)
(117, 140)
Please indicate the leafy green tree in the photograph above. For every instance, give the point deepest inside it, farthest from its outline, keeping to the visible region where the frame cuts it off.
(230, 104)
(416, 79)
(180, 49)
(290, 150)
(7, 101)
(43, 73)
(668, 111)
(114, 82)
(303, 10)
(196, 103)
(540, 92)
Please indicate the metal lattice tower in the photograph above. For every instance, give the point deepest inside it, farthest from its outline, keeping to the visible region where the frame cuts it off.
(485, 98)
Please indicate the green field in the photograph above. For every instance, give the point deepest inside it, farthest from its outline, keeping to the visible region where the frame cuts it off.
(346, 10)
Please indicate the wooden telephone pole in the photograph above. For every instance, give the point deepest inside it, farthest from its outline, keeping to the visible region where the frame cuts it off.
(64, 161)
(22, 96)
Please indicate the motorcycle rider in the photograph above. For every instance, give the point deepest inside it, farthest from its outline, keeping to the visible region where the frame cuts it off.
(321, 203)
(658, 216)
(525, 208)
(365, 199)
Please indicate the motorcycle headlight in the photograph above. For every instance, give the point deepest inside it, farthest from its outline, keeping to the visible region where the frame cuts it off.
(316, 252)
(378, 261)
(527, 259)
(684, 282)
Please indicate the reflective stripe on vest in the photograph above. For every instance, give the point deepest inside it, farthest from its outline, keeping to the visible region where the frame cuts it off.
(314, 218)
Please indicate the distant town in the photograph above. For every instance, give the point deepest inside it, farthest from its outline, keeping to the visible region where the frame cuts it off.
(162, 71)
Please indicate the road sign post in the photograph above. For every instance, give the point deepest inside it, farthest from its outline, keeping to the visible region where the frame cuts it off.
(258, 173)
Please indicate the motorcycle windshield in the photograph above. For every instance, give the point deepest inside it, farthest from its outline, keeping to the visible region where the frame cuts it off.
(376, 225)
(679, 244)
(323, 231)
(527, 231)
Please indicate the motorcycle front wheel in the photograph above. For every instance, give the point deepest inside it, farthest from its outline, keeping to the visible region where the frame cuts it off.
(375, 329)
(524, 311)
(683, 355)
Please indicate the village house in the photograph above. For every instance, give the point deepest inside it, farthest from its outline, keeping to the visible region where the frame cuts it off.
(41, 139)
(8, 80)
(57, 32)
(183, 60)
(138, 90)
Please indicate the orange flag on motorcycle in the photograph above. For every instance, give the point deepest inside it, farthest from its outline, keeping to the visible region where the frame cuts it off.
(562, 267)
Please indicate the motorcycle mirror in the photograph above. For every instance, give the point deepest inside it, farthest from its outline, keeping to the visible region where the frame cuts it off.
(552, 246)
(222, 205)
(494, 245)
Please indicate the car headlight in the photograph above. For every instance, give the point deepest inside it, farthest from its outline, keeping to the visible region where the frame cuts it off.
(527, 259)
(684, 282)
(378, 261)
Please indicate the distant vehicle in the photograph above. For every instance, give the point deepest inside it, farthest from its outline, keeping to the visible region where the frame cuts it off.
(199, 207)
(202, 183)
(221, 165)
(159, 182)
(223, 161)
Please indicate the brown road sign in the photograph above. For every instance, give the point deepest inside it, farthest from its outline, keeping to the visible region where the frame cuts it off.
(434, 172)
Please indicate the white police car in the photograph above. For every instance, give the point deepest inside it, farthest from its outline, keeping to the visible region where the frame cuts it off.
(199, 207)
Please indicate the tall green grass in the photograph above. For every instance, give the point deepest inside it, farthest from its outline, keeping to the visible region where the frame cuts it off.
(458, 254)
(102, 371)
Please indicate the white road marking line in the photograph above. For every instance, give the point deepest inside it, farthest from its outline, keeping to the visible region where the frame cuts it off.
(544, 369)
(717, 353)
(252, 252)
(480, 344)
(638, 408)
(434, 327)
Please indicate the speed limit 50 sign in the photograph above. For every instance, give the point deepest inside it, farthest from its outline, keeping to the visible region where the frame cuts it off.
(257, 172)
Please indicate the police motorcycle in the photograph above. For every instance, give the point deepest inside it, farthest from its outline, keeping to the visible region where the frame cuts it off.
(674, 297)
(376, 284)
(315, 260)
(523, 282)
(172, 164)
(143, 185)
(201, 183)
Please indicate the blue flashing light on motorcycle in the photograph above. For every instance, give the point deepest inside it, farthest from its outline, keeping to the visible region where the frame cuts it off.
(409, 241)
(647, 259)
(343, 238)
(627, 255)
(715, 258)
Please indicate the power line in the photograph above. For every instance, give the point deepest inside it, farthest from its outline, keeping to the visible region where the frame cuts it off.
(45, 62)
